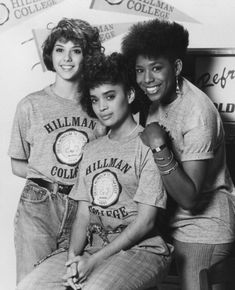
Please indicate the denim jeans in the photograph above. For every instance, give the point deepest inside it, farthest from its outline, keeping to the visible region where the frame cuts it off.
(126, 270)
(43, 224)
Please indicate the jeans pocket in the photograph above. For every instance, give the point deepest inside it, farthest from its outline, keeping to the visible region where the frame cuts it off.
(34, 193)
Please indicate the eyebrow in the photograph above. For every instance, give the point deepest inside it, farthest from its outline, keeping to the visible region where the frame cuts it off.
(151, 63)
(62, 45)
(105, 93)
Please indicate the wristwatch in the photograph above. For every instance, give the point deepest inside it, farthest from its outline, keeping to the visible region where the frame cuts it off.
(159, 148)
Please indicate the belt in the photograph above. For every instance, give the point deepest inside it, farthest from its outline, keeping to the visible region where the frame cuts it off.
(62, 188)
(102, 232)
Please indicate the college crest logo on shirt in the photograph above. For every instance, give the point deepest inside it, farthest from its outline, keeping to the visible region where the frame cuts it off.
(68, 146)
(105, 188)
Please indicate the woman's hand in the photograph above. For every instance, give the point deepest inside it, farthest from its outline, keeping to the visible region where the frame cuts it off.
(83, 267)
(71, 277)
(153, 135)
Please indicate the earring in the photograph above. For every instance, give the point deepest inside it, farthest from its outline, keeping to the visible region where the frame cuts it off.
(177, 86)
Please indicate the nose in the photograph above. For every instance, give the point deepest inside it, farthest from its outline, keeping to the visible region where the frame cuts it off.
(67, 56)
(103, 105)
(148, 78)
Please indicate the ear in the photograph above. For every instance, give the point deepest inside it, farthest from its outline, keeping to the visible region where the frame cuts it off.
(178, 67)
(131, 96)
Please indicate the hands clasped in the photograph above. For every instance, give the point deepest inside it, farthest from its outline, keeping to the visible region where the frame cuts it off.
(78, 269)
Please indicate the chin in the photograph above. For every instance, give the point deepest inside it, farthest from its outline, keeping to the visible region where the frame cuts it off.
(154, 97)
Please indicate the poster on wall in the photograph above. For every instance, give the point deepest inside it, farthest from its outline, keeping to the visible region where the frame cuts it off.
(215, 75)
(149, 8)
(13, 12)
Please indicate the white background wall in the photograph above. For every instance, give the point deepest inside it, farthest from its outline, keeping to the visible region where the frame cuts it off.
(17, 78)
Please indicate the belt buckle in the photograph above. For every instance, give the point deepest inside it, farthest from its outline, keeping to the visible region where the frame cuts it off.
(60, 188)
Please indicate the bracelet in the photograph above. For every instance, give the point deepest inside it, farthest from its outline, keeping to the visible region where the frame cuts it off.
(166, 172)
(158, 158)
(171, 157)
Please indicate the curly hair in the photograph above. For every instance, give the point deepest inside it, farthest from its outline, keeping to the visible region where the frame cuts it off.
(103, 69)
(76, 30)
(156, 38)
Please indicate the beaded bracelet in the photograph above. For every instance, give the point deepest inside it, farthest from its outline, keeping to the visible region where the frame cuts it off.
(166, 172)
(171, 157)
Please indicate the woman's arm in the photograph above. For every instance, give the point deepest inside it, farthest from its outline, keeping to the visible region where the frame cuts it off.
(185, 181)
(77, 243)
(19, 167)
(79, 230)
(132, 234)
(184, 184)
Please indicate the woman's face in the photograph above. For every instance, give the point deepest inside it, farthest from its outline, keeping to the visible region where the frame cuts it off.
(157, 78)
(67, 58)
(110, 103)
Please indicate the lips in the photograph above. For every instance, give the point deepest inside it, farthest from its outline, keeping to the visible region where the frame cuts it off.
(106, 117)
(67, 67)
(152, 90)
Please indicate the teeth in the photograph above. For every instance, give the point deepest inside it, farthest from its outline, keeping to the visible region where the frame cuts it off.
(67, 67)
(152, 90)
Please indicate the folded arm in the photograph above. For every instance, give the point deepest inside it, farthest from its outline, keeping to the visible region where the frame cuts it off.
(19, 167)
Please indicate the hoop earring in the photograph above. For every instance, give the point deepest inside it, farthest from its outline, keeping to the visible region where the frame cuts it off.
(177, 86)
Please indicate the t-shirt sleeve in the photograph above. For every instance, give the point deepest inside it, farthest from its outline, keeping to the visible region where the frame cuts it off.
(150, 190)
(19, 146)
(201, 137)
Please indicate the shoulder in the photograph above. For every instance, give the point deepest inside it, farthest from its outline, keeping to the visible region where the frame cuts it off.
(198, 103)
(200, 112)
(28, 101)
(95, 144)
(194, 97)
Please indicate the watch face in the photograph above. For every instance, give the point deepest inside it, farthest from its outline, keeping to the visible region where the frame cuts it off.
(155, 150)
(159, 148)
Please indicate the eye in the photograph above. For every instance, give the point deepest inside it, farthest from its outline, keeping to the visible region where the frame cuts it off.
(93, 100)
(58, 49)
(156, 68)
(77, 51)
(110, 97)
(139, 70)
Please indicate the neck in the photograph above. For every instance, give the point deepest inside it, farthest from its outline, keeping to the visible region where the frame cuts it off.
(124, 130)
(171, 98)
(66, 89)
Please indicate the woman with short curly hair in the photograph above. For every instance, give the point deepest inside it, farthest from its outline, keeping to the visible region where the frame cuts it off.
(186, 135)
(49, 131)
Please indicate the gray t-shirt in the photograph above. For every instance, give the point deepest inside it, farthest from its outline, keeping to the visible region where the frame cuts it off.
(114, 177)
(196, 132)
(50, 132)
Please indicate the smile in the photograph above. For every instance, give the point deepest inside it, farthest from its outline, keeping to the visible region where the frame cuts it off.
(152, 90)
(67, 67)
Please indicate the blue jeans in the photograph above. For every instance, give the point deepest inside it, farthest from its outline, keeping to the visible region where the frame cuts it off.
(192, 257)
(43, 224)
(127, 270)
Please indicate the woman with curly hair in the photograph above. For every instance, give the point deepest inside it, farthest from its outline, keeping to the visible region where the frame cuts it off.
(115, 241)
(49, 131)
(186, 135)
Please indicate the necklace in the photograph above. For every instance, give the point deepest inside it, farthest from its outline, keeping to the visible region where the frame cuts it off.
(129, 134)
(165, 110)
